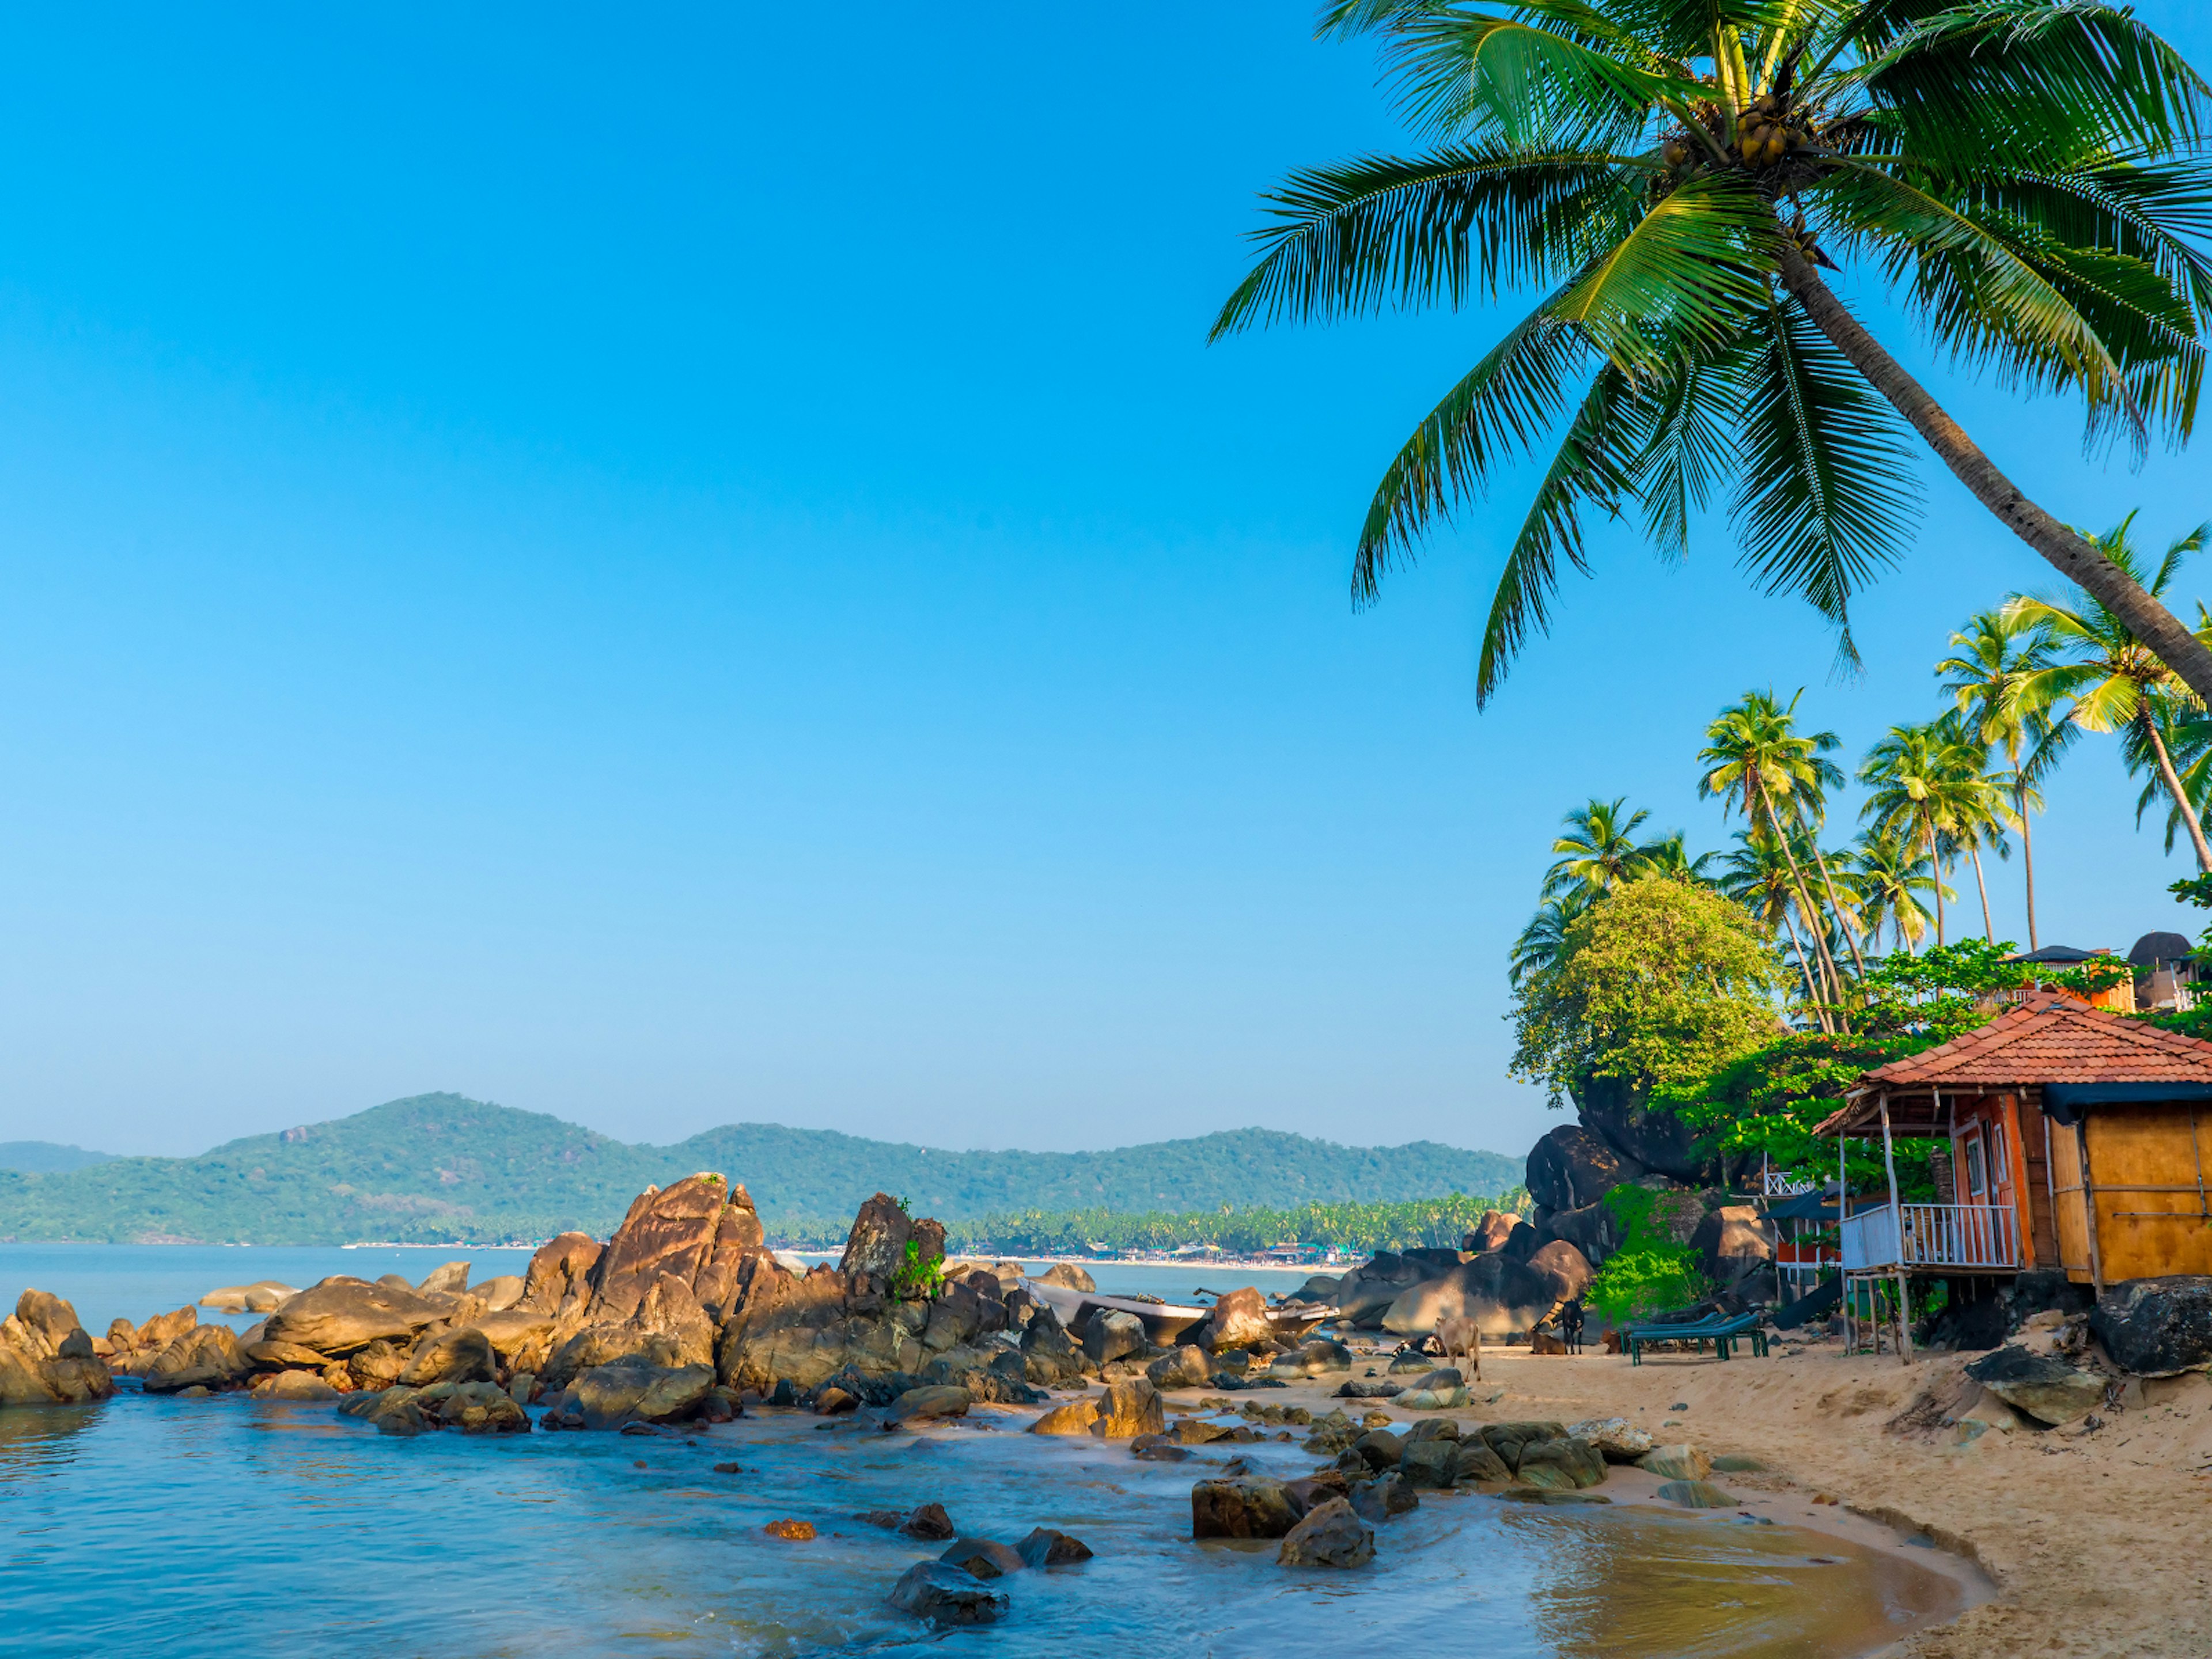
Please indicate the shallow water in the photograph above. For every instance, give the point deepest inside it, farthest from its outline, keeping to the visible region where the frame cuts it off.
(194, 1528)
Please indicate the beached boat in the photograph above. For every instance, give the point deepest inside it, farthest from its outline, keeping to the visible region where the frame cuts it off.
(1167, 1323)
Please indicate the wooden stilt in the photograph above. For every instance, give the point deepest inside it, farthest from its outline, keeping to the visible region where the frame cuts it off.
(2089, 1204)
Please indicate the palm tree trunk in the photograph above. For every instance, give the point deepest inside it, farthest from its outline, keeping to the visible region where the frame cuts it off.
(1835, 979)
(2071, 555)
(2027, 858)
(1805, 967)
(1988, 931)
(2180, 796)
(1858, 962)
(1935, 864)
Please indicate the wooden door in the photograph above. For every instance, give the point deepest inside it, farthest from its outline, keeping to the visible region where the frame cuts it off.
(2038, 1224)
(2147, 1163)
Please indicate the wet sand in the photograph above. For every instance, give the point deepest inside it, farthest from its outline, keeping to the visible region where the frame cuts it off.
(2092, 1542)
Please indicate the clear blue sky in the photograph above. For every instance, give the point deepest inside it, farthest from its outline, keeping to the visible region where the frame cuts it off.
(675, 569)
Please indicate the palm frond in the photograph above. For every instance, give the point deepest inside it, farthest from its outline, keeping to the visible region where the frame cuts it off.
(1498, 406)
(1590, 466)
(1827, 492)
(1687, 451)
(1348, 239)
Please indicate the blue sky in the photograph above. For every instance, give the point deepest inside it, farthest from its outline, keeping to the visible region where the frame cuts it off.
(694, 567)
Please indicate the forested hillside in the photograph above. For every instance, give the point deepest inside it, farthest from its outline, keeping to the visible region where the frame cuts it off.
(439, 1167)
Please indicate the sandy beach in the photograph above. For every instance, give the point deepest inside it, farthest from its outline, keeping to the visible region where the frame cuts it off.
(2094, 1542)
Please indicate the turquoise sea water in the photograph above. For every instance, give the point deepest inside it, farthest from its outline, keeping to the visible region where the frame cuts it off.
(198, 1528)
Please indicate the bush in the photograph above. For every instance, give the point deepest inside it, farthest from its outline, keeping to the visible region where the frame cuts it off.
(1650, 1273)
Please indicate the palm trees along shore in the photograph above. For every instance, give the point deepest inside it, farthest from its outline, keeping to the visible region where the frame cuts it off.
(2027, 174)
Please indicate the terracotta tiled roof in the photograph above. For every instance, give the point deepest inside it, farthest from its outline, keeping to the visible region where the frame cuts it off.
(2051, 1038)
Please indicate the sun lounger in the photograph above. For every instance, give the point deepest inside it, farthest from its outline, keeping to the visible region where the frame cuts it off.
(1722, 1333)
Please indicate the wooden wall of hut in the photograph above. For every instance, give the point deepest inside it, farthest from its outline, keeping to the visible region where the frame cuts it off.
(2146, 1171)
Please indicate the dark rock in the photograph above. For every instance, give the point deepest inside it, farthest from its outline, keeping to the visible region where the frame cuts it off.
(1331, 1536)
(1500, 1294)
(2043, 1385)
(1570, 1271)
(1521, 1243)
(983, 1557)
(1653, 1137)
(1187, 1367)
(1320, 1287)
(1491, 1232)
(946, 1595)
(608, 1396)
(919, 1405)
(1506, 1439)
(1046, 1548)
(1364, 1294)
(1574, 1166)
(2046, 1289)
(1381, 1448)
(1362, 1388)
(1595, 1229)
(1430, 1463)
(2156, 1327)
(1386, 1496)
(1561, 1463)
(1243, 1506)
(1068, 1276)
(1159, 1448)
(1239, 1321)
(1475, 1461)
(1732, 1243)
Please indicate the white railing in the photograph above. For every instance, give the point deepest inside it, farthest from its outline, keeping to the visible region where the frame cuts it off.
(1933, 1235)
(1773, 1183)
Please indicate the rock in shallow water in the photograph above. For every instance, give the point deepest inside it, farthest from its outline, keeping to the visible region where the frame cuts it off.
(946, 1595)
(1129, 1408)
(1247, 1506)
(983, 1557)
(1071, 1416)
(1044, 1547)
(46, 1357)
(1332, 1535)
(1696, 1495)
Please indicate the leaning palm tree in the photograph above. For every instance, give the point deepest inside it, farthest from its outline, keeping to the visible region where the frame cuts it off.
(1598, 848)
(2113, 680)
(2188, 741)
(1987, 675)
(1890, 875)
(1670, 176)
(1756, 760)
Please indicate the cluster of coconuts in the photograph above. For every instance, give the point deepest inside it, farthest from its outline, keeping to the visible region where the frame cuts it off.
(1761, 136)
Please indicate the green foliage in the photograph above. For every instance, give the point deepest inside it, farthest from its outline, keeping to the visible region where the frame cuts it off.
(1432, 1223)
(1650, 1273)
(917, 1280)
(441, 1168)
(1658, 980)
(1948, 991)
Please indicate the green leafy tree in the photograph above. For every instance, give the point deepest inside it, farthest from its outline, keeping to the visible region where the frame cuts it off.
(2112, 677)
(1670, 177)
(1657, 982)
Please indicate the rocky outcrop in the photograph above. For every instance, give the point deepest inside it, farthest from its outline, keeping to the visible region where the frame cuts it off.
(1595, 1229)
(1491, 1232)
(1732, 1243)
(264, 1295)
(2157, 1327)
(46, 1357)
(1651, 1136)
(471, 1407)
(1129, 1409)
(461, 1356)
(559, 1276)
(206, 1357)
(1565, 1267)
(946, 1595)
(1110, 1335)
(1573, 1165)
(630, 1391)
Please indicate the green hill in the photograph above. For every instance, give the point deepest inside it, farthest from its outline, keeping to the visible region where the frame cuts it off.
(438, 1167)
(46, 1157)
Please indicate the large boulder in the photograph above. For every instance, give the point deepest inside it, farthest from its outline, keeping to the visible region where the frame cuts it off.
(1651, 1136)
(448, 1279)
(1239, 1321)
(607, 1396)
(461, 1356)
(1112, 1334)
(1567, 1268)
(697, 1232)
(1499, 1294)
(876, 1248)
(342, 1314)
(805, 1328)
(665, 1326)
(1068, 1276)
(1732, 1243)
(46, 1357)
(263, 1295)
(1491, 1232)
(2157, 1327)
(1071, 1416)
(1595, 1229)
(1364, 1294)
(1185, 1368)
(1573, 1165)
(2043, 1385)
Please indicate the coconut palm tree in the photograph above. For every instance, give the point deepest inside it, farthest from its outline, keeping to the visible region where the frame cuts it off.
(2188, 740)
(1669, 855)
(1757, 874)
(1755, 761)
(1598, 848)
(1542, 940)
(1976, 813)
(1924, 784)
(1671, 176)
(1891, 873)
(1987, 675)
(2111, 679)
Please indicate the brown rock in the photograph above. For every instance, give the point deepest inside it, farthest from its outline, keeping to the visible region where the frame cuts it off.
(340, 1315)
(917, 1405)
(688, 1232)
(1570, 1270)
(796, 1532)
(559, 1274)
(1074, 1417)
(1332, 1535)
(1187, 1367)
(1246, 1506)
(448, 1278)
(1239, 1320)
(1067, 1275)
(1491, 1232)
(376, 1366)
(876, 1246)
(299, 1385)
(207, 1355)
(282, 1356)
(461, 1356)
(1045, 1547)
(46, 1357)
(982, 1558)
(1129, 1408)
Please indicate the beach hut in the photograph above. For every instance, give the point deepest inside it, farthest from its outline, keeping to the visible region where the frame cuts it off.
(2075, 1138)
